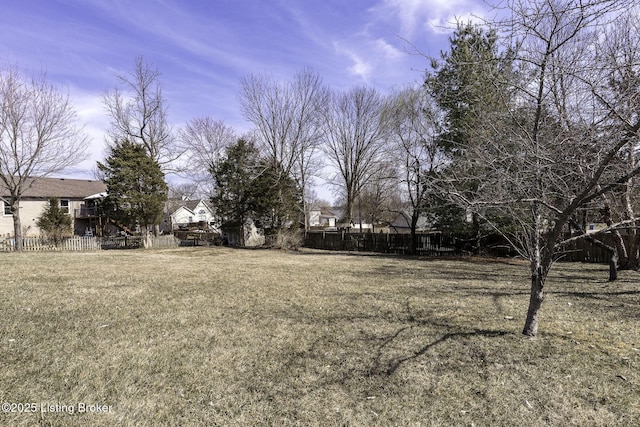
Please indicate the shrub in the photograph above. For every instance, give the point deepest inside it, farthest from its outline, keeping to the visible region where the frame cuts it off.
(55, 224)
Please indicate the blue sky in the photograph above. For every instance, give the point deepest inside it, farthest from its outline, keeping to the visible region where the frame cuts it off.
(203, 48)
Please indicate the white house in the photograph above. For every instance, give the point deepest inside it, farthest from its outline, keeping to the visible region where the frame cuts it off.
(182, 214)
(322, 217)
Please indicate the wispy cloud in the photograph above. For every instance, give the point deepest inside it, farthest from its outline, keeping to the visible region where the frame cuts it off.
(203, 48)
(437, 16)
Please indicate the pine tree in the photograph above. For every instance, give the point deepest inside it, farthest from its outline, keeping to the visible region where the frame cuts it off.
(469, 79)
(136, 189)
(248, 187)
(233, 178)
(54, 223)
(470, 84)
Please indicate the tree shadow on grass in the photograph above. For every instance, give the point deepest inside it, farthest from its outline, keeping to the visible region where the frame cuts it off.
(389, 367)
(374, 354)
(463, 259)
(603, 295)
(624, 304)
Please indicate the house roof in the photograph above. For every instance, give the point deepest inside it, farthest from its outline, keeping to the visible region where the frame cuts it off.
(325, 211)
(402, 221)
(327, 214)
(62, 188)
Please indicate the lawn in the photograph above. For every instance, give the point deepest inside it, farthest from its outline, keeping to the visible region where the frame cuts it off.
(199, 336)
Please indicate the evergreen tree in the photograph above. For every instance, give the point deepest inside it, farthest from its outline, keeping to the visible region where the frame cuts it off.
(249, 187)
(233, 177)
(276, 199)
(467, 81)
(136, 190)
(54, 223)
(470, 84)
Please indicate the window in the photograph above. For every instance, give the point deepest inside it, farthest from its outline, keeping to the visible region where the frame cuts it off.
(64, 206)
(6, 210)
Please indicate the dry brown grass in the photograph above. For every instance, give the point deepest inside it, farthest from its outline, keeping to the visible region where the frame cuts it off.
(219, 336)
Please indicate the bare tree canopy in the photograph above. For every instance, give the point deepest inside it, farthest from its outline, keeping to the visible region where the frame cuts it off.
(203, 142)
(355, 137)
(379, 199)
(39, 135)
(415, 127)
(288, 123)
(138, 112)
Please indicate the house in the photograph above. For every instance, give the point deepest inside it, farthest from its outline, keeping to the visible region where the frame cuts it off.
(188, 214)
(402, 224)
(75, 199)
(322, 217)
(360, 224)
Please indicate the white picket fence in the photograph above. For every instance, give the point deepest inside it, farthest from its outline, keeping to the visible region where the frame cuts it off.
(167, 241)
(78, 244)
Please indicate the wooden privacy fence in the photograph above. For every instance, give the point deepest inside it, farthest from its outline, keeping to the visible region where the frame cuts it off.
(427, 244)
(33, 244)
(441, 244)
(584, 251)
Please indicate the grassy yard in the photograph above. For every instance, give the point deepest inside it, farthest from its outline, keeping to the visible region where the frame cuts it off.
(190, 337)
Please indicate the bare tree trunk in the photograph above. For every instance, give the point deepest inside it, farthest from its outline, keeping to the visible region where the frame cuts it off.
(305, 212)
(535, 301)
(17, 226)
(628, 250)
(613, 250)
(348, 211)
(613, 267)
(146, 242)
(633, 262)
(539, 267)
(622, 256)
(477, 244)
(414, 238)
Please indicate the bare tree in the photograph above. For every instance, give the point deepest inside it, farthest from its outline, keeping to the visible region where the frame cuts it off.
(288, 123)
(38, 136)
(556, 150)
(138, 112)
(355, 135)
(619, 61)
(379, 199)
(203, 141)
(415, 127)
(183, 191)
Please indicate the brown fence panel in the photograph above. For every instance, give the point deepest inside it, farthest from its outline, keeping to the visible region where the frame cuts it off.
(124, 242)
(441, 244)
(584, 251)
(427, 244)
